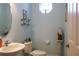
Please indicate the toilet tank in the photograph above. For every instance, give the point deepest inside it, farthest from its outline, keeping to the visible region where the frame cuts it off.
(28, 47)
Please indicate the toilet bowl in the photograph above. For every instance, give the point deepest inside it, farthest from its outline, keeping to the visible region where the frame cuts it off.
(28, 49)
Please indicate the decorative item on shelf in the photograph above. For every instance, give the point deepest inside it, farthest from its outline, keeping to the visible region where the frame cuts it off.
(28, 22)
(28, 40)
(60, 34)
(25, 20)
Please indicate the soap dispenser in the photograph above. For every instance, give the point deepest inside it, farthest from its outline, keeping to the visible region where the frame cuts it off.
(29, 39)
(1, 42)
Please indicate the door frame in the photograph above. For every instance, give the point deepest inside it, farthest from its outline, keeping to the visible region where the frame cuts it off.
(71, 15)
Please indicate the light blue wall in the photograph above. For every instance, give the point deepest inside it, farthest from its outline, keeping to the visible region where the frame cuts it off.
(18, 33)
(45, 26)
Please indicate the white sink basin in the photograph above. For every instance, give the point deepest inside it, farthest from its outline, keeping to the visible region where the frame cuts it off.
(12, 48)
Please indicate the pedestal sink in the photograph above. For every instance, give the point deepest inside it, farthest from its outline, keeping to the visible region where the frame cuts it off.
(13, 49)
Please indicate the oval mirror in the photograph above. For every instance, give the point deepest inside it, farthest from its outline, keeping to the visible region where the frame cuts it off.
(5, 19)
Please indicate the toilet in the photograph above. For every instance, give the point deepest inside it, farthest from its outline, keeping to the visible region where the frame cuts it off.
(28, 49)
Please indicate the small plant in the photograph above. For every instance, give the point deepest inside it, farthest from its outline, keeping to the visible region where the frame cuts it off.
(27, 39)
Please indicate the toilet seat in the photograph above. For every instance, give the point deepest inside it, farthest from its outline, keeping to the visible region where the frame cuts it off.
(38, 53)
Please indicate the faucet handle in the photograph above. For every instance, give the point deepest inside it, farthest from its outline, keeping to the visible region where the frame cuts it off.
(8, 41)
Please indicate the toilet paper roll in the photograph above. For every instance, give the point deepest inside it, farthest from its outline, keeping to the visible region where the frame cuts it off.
(47, 42)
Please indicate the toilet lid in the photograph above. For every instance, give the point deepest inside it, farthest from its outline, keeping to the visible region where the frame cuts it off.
(38, 53)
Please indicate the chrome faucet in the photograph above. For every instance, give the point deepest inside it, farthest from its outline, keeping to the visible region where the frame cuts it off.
(7, 42)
